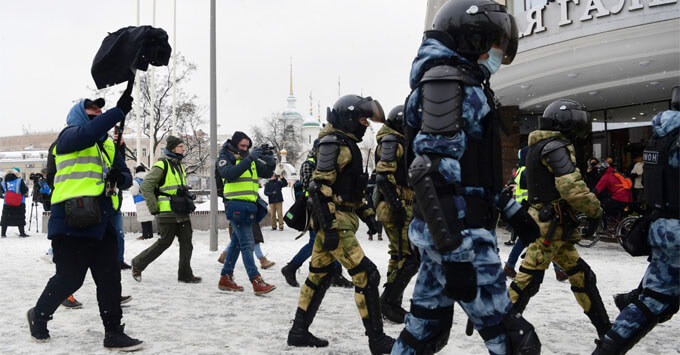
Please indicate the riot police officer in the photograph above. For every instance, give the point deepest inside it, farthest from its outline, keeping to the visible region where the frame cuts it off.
(557, 193)
(394, 209)
(337, 191)
(656, 300)
(452, 127)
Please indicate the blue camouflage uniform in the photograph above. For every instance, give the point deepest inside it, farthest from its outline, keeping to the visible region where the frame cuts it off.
(492, 303)
(662, 277)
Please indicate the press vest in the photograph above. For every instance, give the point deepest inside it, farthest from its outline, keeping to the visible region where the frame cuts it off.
(659, 178)
(540, 181)
(14, 186)
(520, 193)
(245, 187)
(81, 173)
(174, 179)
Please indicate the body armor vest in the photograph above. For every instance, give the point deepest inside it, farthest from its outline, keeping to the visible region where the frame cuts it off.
(481, 167)
(540, 181)
(350, 184)
(659, 178)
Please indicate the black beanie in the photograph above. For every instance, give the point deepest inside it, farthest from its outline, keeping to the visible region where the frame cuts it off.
(238, 136)
(140, 169)
(172, 142)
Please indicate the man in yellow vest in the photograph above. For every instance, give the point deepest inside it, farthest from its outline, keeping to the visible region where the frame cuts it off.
(80, 225)
(166, 179)
(243, 207)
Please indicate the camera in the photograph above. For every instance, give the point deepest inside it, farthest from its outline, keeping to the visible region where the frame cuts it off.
(266, 149)
(35, 177)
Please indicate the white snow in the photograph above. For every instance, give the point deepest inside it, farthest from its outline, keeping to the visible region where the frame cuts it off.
(177, 318)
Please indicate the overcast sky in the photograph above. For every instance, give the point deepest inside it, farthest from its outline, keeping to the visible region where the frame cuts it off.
(47, 47)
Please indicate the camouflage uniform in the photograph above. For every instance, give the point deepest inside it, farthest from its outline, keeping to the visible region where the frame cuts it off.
(560, 249)
(348, 252)
(656, 301)
(384, 211)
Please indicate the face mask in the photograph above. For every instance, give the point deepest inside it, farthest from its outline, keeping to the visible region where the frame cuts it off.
(494, 61)
(91, 116)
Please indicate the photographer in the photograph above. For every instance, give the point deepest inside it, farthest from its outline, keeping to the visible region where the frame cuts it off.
(240, 170)
(44, 191)
(14, 208)
(166, 193)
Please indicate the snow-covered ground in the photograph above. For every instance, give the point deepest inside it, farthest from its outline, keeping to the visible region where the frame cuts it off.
(177, 318)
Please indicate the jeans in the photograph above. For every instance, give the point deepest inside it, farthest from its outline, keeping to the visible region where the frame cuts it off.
(258, 251)
(306, 251)
(241, 241)
(118, 225)
(516, 251)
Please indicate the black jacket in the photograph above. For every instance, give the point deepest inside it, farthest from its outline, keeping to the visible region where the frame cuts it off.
(273, 189)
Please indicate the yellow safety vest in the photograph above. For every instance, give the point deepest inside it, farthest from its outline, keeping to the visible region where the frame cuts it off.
(173, 181)
(520, 193)
(245, 187)
(81, 173)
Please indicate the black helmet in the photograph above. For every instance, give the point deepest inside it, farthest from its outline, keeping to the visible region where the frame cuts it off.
(473, 26)
(395, 119)
(349, 109)
(566, 116)
(675, 99)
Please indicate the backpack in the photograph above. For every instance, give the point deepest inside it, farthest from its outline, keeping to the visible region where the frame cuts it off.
(626, 183)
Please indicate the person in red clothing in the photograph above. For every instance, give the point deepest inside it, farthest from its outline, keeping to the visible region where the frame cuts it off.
(619, 196)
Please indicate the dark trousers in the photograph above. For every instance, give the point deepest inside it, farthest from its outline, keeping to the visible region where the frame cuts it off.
(73, 257)
(168, 231)
(147, 229)
(4, 230)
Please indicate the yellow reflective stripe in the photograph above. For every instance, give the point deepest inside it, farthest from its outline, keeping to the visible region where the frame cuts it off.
(168, 188)
(240, 193)
(79, 160)
(79, 175)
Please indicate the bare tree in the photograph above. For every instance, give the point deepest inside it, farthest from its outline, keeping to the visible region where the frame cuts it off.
(280, 132)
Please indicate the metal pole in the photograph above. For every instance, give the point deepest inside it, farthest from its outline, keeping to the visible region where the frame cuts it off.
(137, 108)
(213, 130)
(174, 67)
(153, 99)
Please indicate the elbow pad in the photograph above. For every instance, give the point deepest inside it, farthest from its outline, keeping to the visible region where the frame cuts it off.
(438, 202)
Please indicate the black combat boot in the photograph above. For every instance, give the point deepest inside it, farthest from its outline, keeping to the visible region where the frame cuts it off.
(116, 339)
(38, 326)
(299, 334)
(391, 308)
(288, 272)
(378, 342)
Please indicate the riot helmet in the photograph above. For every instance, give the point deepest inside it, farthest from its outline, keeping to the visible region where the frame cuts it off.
(566, 116)
(675, 99)
(395, 119)
(472, 27)
(347, 111)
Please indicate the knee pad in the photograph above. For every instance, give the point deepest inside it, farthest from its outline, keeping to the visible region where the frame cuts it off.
(520, 336)
(372, 274)
(589, 278)
(530, 290)
(439, 337)
(672, 302)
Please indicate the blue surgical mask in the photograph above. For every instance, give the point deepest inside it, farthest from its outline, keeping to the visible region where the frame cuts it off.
(494, 61)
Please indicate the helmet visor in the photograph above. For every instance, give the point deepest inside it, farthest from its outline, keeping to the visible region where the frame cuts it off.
(505, 28)
(372, 110)
(581, 123)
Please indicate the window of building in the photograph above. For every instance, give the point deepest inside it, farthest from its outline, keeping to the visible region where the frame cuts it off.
(143, 152)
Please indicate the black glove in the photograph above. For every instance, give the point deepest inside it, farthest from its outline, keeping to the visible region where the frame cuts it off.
(255, 153)
(461, 281)
(526, 228)
(331, 238)
(115, 175)
(155, 212)
(125, 103)
(592, 227)
(372, 224)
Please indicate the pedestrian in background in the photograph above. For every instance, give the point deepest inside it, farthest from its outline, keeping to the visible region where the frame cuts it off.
(143, 215)
(273, 190)
(14, 207)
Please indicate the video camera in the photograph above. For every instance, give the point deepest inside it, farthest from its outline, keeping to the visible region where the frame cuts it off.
(266, 149)
(36, 177)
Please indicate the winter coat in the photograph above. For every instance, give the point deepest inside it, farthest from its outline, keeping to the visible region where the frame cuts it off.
(143, 214)
(82, 133)
(151, 182)
(613, 185)
(14, 215)
(273, 189)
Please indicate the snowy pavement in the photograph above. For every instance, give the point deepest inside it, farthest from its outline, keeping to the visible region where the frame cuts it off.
(178, 318)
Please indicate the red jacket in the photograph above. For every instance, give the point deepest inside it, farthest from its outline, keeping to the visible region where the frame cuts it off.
(613, 185)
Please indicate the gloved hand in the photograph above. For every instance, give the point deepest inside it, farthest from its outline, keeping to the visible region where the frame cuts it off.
(115, 175)
(155, 212)
(331, 238)
(125, 103)
(255, 153)
(372, 224)
(593, 223)
(461, 281)
(525, 226)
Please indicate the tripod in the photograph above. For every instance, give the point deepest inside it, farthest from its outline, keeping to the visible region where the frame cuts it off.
(34, 206)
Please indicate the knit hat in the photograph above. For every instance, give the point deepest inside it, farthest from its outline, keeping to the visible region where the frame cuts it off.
(140, 168)
(239, 136)
(16, 169)
(173, 142)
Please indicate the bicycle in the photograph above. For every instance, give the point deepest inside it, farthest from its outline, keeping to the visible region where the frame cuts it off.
(613, 227)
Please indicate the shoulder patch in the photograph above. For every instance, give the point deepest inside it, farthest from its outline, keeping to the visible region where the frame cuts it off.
(222, 162)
